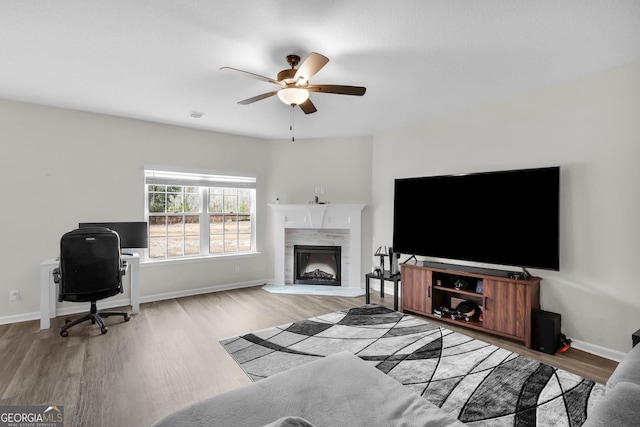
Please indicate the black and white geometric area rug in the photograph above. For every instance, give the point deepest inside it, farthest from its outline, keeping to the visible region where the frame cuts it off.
(480, 383)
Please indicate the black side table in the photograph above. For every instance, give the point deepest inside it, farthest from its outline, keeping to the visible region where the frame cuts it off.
(385, 276)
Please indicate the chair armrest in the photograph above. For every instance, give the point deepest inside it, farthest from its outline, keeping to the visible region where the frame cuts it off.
(56, 275)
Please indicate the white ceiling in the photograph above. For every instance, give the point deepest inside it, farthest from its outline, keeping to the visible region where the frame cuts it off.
(158, 60)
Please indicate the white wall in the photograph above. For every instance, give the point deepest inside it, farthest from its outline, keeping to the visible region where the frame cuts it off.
(591, 128)
(59, 167)
(341, 165)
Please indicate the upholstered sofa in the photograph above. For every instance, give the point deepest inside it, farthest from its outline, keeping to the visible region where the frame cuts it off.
(337, 390)
(343, 390)
(620, 405)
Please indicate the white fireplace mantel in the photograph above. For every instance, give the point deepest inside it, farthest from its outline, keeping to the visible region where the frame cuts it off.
(318, 217)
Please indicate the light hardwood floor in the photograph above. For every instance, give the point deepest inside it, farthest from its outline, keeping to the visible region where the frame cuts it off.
(169, 356)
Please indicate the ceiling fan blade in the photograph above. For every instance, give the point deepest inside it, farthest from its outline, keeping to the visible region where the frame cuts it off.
(339, 89)
(307, 107)
(253, 75)
(257, 98)
(309, 67)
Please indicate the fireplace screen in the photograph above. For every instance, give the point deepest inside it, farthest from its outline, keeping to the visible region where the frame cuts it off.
(316, 265)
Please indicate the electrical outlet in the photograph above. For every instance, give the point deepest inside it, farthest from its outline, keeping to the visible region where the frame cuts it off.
(14, 295)
(237, 269)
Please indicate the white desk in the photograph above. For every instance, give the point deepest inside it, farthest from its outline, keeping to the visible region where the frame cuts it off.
(49, 289)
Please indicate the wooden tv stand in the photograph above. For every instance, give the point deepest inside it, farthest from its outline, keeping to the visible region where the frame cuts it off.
(506, 304)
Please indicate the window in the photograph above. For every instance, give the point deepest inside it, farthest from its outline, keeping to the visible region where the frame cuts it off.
(199, 214)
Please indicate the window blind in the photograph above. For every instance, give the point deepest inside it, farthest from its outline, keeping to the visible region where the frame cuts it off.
(197, 179)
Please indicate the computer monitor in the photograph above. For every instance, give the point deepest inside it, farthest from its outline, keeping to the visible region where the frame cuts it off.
(133, 235)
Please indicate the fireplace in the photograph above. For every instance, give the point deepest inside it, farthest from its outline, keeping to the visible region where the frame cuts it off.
(318, 224)
(317, 265)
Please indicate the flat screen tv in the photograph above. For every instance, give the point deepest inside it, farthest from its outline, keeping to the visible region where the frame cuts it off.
(509, 218)
(133, 235)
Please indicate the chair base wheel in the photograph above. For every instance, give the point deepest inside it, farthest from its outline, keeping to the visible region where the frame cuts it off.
(96, 318)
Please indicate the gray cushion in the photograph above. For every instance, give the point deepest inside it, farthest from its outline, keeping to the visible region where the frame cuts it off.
(337, 390)
(628, 370)
(618, 408)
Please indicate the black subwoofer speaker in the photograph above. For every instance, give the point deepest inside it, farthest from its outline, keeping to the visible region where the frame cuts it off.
(545, 331)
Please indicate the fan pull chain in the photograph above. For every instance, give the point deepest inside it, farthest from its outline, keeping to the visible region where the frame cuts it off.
(291, 125)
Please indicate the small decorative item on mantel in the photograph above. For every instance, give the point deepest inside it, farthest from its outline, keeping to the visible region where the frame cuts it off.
(382, 252)
(316, 201)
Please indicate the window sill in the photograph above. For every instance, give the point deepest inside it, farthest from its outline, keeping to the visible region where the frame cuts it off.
(198, 258)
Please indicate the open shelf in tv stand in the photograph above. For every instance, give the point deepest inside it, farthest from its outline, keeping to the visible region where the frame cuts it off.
(507, 304)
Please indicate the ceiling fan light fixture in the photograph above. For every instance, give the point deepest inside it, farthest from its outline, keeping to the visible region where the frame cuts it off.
(293, 95)
(293, 83)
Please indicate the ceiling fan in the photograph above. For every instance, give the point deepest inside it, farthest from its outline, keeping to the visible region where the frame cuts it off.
(294, 83)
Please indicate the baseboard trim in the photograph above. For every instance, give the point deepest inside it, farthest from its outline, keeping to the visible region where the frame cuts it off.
(17, 318)
(597, 350)
(200, 291)
(83, 307)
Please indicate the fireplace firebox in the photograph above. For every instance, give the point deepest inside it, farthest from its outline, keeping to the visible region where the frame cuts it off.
(317, 265)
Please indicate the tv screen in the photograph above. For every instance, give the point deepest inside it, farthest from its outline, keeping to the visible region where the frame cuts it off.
(133, 235)
(509, 218)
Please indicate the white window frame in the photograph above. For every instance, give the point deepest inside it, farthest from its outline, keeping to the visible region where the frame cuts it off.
(169, 176)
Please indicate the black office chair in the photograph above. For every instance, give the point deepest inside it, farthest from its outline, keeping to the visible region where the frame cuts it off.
(90, 270)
